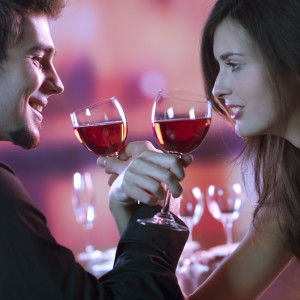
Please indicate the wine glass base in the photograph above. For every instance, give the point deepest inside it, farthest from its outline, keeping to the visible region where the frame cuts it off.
(97, 262)
(90, 256)
(163, 220)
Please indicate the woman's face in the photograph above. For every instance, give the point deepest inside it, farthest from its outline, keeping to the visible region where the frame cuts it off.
(242, 82)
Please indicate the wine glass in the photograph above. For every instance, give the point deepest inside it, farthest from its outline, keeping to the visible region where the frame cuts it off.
(102, 127)
(190, 211)
(180, 121)
(224, 203)
(84, 209)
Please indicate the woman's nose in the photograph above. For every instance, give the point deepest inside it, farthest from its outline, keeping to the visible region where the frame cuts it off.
(221, 87)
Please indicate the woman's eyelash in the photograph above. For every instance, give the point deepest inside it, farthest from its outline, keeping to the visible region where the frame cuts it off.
(234, 66)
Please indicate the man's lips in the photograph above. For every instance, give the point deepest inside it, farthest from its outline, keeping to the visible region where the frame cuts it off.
(38, 104)
(37, 107)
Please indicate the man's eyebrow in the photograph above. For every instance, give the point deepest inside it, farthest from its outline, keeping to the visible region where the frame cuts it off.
(40, 47)
(228, 54)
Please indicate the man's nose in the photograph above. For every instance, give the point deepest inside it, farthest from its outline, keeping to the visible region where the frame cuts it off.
(52, 84)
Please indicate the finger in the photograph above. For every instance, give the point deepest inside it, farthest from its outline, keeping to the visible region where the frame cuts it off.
(141, 195)
(101, 161)
(167, 161)
(186, 160)
(137, 188)
(134, 149)
(145, 170)
(145, 183)
(112, 179)
(112, 165)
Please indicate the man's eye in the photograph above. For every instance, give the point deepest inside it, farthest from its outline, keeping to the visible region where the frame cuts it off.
(38, 60)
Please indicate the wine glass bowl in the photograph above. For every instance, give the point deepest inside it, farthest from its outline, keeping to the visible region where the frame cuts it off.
(191, 207)
(83, 199)
(180, 122)
(224, 203)
(102, 127)
(190, 211)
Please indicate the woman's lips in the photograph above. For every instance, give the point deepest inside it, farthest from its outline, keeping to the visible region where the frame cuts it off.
(235, 111)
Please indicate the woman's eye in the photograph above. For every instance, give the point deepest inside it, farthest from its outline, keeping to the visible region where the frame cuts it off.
(233, 66)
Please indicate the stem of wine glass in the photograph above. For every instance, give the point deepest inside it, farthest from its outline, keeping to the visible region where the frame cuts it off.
(228, 232)
(190, 238)
(89, 246)
(166, 207)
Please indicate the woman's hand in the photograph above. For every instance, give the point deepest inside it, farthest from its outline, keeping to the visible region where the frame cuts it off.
(139, 175)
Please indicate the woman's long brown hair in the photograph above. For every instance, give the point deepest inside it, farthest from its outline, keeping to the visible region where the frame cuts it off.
(274, 26)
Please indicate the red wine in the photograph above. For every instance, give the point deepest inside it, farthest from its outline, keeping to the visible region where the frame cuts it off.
(181, 135)
(102, 139)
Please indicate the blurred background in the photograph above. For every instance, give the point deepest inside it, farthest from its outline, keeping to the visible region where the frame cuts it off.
(127, 49)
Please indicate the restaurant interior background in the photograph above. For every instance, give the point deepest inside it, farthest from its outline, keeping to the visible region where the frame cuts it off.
(128, 49)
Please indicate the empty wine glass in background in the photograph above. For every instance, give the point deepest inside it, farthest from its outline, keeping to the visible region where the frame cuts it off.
(224, 203)
(190, 211)
(102, 127)
(84, 209)
(180, 121)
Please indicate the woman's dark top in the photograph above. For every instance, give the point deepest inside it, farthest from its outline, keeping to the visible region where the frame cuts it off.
(34, 266)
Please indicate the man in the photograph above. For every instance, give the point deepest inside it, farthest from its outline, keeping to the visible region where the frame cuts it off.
(33, 265)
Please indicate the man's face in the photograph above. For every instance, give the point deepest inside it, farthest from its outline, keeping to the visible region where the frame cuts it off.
(27, 79)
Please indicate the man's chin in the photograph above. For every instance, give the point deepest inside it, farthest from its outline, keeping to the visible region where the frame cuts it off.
(31, 146)
(24, 138)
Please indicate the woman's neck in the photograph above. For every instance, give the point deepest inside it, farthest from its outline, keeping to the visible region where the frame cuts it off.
(293, 129)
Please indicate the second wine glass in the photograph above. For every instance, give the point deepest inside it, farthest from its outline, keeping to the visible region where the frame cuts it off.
(180, 121)
(102, 127)
(190, 211)
(84, 211)
(224, 203)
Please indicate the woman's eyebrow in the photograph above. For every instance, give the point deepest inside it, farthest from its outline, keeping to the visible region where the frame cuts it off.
(228, 54)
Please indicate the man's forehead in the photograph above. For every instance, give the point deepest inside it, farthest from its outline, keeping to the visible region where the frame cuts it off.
(36, 33)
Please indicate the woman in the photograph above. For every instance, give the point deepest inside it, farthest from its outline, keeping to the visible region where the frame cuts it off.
(250, 56)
